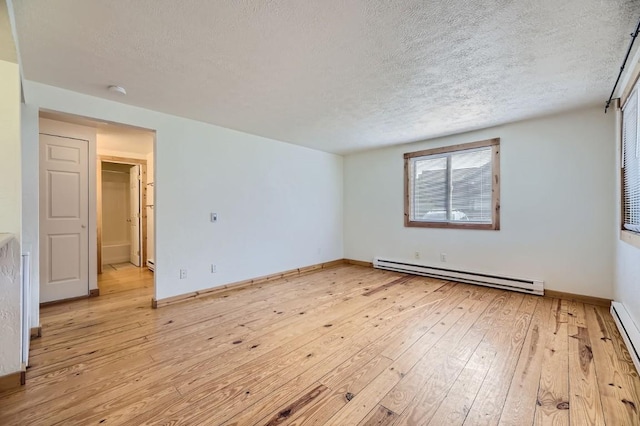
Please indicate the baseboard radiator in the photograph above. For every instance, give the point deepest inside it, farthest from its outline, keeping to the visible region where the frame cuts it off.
(629, 331)
(490, 280)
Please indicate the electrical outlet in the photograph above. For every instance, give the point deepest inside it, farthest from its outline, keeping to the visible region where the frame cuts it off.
(213, 217)
(183, 274)
(214, 268)
(443, 257)
(416, 255)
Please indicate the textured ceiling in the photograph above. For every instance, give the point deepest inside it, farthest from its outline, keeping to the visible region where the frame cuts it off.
(336, 75)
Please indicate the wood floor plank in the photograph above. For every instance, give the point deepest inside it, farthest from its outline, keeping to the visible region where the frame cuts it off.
(405, 341)
(585, 406)
(455, 406)
(343, 388)
(295, 407)
(461, 320)
(509, 338)
(481, 339)
(259, 381)
(163, 369)
(620, 402)
(344, 346)
(552, 405)
(349, 379)
(625, 363)
(379, 416)
(373, 394)
(323, 409)
(120, 410)
(108, 385)
(458, 400)
(197, 328)
(363, 318)
(520, 404)
(353, 375)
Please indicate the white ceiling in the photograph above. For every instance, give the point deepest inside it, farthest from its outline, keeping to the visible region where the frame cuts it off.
(335, 75)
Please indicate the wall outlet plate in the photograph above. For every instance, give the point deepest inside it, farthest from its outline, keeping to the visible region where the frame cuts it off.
(183, 274)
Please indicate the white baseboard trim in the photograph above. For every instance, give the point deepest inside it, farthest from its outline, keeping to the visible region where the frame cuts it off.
(629, 331)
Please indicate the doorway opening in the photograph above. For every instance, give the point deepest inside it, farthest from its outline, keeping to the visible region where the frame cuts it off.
(111, 167)
(124, 207)
(122, 226)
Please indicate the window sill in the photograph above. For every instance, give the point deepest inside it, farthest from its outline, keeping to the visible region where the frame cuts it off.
(450, 225)
(632, 238)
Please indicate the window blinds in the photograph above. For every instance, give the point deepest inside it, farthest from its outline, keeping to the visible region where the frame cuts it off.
(452, 187)
(631, 163)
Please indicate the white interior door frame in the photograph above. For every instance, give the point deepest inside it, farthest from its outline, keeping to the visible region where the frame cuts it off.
(135, 214)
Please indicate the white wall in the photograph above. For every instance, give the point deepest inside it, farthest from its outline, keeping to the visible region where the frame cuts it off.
(279, 205)
(557, 206)
(10, 218)
(10, 183)
(124, 144)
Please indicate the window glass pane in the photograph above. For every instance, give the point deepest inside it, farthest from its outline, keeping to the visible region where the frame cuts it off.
(471, 186)
(429, 189)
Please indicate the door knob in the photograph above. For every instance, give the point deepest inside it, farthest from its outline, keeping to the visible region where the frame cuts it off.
(84, 226)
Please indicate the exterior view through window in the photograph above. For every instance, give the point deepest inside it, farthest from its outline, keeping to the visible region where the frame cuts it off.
(453, 187)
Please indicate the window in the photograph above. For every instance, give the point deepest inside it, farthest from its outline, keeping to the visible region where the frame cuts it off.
(454, 187)
(631, 164)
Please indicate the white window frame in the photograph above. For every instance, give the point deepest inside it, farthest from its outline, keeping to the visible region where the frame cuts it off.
(631, 236)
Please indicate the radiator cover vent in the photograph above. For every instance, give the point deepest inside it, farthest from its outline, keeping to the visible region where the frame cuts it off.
(523, 285)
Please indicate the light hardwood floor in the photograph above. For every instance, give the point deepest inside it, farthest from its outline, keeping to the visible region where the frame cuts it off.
(342, 346)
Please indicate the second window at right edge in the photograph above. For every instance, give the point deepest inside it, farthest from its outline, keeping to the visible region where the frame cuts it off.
(454, 187)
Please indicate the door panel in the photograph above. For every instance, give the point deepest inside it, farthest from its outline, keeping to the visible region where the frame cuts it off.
(65, 257)
(64, 215)
(64, 199)
(64, 153)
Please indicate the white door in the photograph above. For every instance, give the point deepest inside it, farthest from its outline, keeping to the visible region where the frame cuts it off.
(134, 213)
(64, 216)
